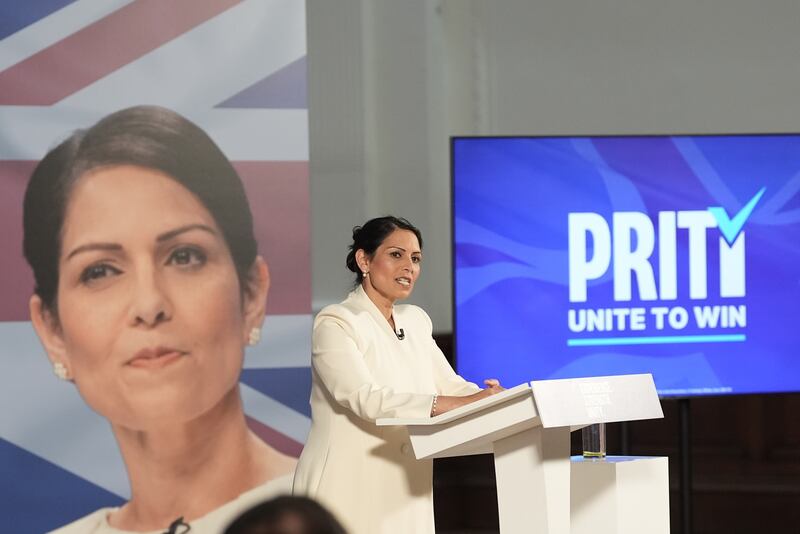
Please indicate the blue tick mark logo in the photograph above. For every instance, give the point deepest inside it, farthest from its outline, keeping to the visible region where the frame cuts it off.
(730, 228)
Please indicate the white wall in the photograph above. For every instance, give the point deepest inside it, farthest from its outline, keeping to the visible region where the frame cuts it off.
(391, 80)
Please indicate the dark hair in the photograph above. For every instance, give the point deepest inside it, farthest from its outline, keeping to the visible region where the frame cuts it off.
(286, 515)
(369, 236)
(146, 136)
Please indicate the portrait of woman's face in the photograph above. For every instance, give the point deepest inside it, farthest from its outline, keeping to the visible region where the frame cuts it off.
(395, 265)
(151, 318)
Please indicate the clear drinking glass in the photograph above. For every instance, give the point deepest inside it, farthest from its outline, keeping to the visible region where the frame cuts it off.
(594, 441)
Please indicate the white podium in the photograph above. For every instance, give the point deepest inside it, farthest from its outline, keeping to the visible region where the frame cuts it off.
(619, 495)
(527, 429)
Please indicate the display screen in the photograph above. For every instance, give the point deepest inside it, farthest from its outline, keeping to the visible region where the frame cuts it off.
(672, 255)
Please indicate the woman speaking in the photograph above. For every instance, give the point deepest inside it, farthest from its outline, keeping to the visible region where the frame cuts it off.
(148, 288)
(374, 359)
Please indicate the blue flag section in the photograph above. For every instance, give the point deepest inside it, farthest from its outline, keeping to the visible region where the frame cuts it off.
(674, 255)
(44, 496)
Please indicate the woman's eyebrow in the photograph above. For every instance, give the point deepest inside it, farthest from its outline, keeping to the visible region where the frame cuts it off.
(401, 248)
(94, 246)
(166, 236)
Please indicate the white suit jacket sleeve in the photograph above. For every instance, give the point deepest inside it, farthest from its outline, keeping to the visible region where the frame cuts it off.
(447, 381)
(340, 366)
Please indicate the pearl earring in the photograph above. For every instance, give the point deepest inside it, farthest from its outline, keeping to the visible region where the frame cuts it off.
(60, 370)
(254, 337)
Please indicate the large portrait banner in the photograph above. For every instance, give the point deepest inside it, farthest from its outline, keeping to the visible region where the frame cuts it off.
(236, 69)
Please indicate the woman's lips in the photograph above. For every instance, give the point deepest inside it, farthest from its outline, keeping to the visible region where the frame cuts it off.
(155, 358)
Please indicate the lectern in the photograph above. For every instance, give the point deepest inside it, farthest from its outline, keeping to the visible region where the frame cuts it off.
(527, 429)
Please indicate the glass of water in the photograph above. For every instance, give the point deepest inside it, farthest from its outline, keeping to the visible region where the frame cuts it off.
(594, 441)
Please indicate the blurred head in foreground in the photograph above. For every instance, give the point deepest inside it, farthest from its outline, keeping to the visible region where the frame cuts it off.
(286, 515)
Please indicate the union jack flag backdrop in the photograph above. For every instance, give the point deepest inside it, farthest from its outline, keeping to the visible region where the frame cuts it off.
(236, 68)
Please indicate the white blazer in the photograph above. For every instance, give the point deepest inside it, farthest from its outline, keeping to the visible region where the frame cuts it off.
(367, 475)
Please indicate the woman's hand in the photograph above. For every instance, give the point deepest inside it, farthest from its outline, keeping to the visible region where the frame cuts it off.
(445, 403)
(493, 386)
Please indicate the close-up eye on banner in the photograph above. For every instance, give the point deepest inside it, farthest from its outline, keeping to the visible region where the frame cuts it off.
(236, 70)
(670, 255)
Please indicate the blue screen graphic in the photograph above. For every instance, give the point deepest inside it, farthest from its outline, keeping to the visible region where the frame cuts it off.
(672, 255)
